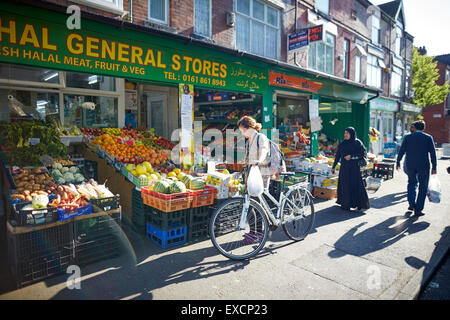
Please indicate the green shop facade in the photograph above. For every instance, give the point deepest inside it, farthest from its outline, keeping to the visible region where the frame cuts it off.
(133, 75)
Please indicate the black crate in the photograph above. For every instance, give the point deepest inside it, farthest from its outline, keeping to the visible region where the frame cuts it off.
(105, 204)
(167, 220)
(229, 219)
(385, 166)
(37, 255)
(198, 223)
(90, 169)
(275, 188)
(33, 217)
(97, 227)
(98, 249)
(386, 175)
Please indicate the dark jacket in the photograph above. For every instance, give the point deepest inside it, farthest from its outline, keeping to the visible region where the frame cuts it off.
(417, 146)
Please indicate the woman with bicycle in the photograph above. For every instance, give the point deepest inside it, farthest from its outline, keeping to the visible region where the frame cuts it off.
(256, 151)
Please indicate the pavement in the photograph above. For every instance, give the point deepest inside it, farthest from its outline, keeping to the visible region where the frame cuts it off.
(382, 254)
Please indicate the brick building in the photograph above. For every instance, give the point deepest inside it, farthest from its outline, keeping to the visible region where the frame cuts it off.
(437, 117)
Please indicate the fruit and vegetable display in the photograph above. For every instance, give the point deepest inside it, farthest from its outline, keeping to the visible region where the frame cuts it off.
(63, 175)
(28, 141)
(31, 182)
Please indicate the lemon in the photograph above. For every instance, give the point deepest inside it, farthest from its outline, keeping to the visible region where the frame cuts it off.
(177, 171)
(172, 174)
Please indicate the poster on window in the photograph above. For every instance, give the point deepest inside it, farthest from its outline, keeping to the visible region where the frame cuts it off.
(130, 100)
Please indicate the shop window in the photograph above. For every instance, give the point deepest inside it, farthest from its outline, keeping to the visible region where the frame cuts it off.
(373, 71)
(89, 81)
(396, 81)
(202, 18)
(321, 55)
(158, 10)
(257, 28)
(38, 105)
(104, 114)
(20, 73)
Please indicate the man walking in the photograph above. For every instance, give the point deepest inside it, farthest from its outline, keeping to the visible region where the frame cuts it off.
(418, 147)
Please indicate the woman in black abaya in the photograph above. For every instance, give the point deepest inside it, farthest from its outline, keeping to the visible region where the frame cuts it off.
(351, 190)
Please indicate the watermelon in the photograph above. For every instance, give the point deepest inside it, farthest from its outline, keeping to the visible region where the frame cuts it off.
(177, 187)
(186, 179)
(162, 187)
(197, 184)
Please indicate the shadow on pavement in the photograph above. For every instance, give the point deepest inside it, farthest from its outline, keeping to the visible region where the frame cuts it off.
(377, 237)
(389, 200)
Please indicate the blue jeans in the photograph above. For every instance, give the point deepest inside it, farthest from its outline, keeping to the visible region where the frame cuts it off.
(418, 177)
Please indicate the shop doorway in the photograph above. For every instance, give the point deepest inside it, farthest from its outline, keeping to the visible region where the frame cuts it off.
(156, 112)
(384, 123)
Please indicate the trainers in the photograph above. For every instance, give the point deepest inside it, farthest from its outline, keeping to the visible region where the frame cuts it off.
(251, 237)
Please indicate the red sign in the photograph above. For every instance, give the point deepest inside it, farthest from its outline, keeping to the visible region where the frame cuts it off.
(315, 33)
(282, 80)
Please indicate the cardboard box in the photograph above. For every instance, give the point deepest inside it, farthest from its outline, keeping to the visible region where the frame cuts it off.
(326, 194)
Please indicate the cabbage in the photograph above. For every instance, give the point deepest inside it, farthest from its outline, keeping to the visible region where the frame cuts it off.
(56, 173)
(39, 201)
(68, 176)
(64, 170)
(57, 166)
(74, 169)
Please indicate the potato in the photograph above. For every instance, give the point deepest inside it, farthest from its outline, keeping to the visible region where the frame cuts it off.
(28, 198)
(33, 194)
(26, 192)
(17, 196)
(20, 190)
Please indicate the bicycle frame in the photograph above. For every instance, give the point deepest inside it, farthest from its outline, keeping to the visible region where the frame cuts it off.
(275, 220)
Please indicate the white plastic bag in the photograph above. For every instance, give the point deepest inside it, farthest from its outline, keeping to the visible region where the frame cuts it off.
(434, 190)
(255, 184)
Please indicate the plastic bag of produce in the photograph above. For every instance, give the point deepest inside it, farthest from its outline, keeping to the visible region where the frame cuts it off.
(434, 190)
(255, 184)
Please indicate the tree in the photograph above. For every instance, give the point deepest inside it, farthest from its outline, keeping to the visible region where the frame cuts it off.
(424, 77)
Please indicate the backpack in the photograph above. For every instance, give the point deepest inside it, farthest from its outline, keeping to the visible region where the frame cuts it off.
(275, 161)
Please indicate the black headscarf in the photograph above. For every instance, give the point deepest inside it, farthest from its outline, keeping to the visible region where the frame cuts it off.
(351, 146)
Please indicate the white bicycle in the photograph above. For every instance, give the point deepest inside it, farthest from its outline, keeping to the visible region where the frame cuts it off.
(239, 227)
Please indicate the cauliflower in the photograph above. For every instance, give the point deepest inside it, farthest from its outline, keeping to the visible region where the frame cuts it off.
(60, 180)
(74, 169)
(64, 170)
(68, 176)
(39, 201)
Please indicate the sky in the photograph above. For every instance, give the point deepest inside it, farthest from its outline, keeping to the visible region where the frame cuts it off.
(428, 21)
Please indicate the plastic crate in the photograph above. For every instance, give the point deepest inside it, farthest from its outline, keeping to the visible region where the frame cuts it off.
(65, 214)
(229, 219)
(166, 202)
(166, 238)
(201, 198)
(35, 216)
(198, 224)
(385, 175)
(168, 220)
(105, 204)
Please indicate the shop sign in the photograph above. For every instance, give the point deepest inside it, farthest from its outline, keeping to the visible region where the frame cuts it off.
(282, 80)
(48, 44)
(304, 37)
(381, 104)
(411, 108)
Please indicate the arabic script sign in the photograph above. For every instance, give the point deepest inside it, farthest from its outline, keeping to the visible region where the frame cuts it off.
(282, 80)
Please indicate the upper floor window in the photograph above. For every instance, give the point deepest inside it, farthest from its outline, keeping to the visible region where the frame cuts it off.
(407, 80)
(396, 81)
(158, 10)
(257, 28)
(109, 5)
(398, 41)
(373, 71)
(346, 64)
(202, 18)
(323, 6)
(375, 30)
(321, 55)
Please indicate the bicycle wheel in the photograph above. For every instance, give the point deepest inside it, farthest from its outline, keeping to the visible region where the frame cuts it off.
(298, 214)
(229, 239)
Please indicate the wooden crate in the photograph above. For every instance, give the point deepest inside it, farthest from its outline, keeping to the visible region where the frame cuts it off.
(324, 193)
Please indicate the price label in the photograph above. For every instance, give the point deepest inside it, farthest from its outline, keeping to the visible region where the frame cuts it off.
(33, 141)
